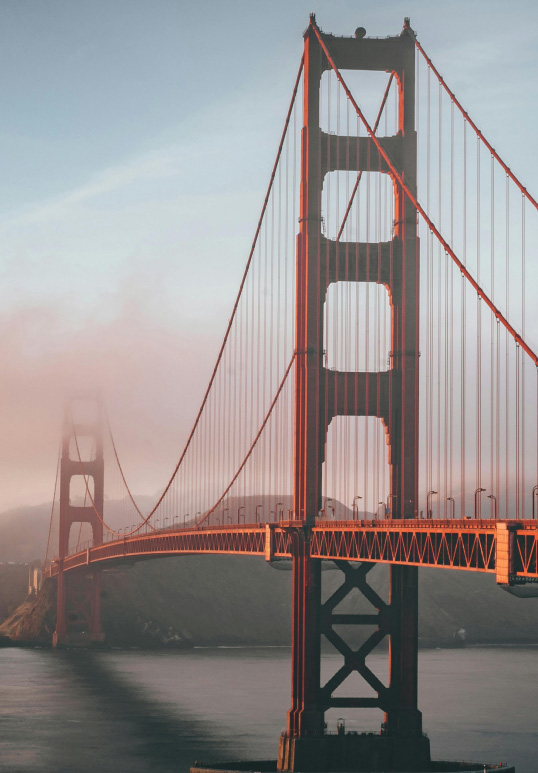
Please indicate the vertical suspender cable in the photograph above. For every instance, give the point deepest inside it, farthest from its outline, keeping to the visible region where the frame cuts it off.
(479, 337)
(523, 361)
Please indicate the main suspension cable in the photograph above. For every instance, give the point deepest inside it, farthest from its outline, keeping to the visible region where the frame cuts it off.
(357, 181)
(226, 334)
(254, 442)
(54, 498)
(471, 123)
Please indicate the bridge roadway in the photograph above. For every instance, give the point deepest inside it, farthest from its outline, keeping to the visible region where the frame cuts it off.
(507, 548)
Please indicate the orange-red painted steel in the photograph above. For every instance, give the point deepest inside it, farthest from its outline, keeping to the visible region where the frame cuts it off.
(465, 545)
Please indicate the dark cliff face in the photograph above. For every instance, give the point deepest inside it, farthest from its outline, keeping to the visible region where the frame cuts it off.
(34, 619)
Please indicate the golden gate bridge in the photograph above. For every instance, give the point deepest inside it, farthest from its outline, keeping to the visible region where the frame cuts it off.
(374, 399)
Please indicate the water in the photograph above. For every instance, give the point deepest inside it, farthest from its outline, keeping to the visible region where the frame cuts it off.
(146, 711)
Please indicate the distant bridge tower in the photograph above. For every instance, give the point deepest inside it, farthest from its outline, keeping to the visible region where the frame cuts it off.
(79, 594)
(321, 395)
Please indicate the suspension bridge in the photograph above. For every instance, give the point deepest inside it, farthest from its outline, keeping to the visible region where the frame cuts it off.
(374, 399)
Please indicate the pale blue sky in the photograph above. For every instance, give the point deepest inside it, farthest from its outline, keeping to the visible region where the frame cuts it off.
(137, 140)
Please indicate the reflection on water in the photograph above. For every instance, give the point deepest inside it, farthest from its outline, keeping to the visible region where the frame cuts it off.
(133, 711)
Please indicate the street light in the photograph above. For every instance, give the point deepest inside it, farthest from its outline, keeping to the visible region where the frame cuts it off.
(429, 512)
(241, 507)
(476, 497)
(257, 514)
(451, 499)
(224, 513)
(355, 508)
(494, 498)
(534, 495)
(278, 511)
(389, 508)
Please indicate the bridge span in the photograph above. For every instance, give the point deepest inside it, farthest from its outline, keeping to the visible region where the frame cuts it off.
(508, 549)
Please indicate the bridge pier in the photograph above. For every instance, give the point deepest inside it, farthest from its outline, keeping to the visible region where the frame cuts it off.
(306, 746)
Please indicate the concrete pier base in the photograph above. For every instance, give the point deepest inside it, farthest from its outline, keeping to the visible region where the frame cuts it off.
(270, 766)
(354, 752)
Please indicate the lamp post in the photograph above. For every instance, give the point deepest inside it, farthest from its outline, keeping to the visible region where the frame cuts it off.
(187, 515)
(355, 508)
(451, 499)
(241, 507)
(429, 511)
(389, 503)
(476, 498)
(494, 500)
(277, 516)
(226, 509)
(534, 495)
(257, 514)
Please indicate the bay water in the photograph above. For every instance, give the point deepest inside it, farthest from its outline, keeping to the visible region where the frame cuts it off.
(80, 711)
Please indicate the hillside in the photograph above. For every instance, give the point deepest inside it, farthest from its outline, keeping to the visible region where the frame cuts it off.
(23, 533)
(209, 600)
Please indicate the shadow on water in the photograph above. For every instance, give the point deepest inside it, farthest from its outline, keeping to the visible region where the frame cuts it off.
(140, 733)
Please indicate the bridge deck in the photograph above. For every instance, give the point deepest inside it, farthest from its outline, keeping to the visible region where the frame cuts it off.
(508, 549)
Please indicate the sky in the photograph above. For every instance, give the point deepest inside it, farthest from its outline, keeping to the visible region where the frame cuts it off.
(137, 140)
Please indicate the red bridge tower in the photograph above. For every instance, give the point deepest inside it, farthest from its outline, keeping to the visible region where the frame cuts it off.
(78, 617)
(321, 395)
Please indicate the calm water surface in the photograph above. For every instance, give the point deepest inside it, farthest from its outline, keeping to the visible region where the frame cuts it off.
(139, 712)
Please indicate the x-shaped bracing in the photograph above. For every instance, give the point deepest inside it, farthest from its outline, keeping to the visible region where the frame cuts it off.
(355, 660)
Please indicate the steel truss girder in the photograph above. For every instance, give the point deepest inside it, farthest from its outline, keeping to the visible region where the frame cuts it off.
(525, 563)
(467, 545)
(413, 546)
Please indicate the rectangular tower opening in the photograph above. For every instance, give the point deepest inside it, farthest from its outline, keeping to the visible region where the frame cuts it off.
(337, 114)
(357, 327)
(356, 471)
(358, 213)
(81, 490)
(82, 448)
